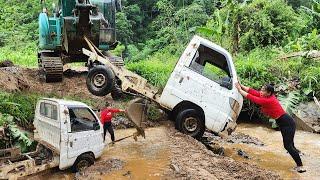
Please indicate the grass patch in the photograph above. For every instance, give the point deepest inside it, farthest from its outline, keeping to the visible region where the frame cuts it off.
(26, 57)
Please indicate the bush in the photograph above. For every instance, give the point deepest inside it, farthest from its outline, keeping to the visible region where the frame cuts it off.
(155, 69)
(264, 23)
(20, 106)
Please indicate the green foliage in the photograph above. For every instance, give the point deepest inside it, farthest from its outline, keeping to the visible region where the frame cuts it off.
(216, 28)
(26, 56)
(310, 41)
(124, 33)
(264, 23)
(153, 113)
(20, 106)
(298, 3)
(310, 80)
(258, 67)
(289, 101)
(156, 69)
(18, 137)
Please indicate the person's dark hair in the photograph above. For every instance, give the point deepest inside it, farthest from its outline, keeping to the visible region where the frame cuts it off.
(269, 88)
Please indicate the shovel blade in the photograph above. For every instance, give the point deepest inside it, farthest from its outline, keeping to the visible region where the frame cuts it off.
(136, 113)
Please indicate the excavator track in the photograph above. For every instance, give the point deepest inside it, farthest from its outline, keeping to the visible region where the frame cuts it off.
(51, 68)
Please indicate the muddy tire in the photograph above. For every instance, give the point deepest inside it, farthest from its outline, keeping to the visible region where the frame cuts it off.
(83, 162)
(100, 80)
(190, 122)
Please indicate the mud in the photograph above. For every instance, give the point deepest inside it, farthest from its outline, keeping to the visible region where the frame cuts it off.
(168, 154)
(235, 137)
(190, 159)
(273, 156)
(101, 168)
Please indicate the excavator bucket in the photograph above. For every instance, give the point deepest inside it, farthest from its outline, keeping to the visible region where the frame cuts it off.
(136, 112)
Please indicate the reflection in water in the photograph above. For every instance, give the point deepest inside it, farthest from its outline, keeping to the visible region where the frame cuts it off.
(274, 157)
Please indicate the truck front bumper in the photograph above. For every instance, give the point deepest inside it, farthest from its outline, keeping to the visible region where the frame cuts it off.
(229, 128)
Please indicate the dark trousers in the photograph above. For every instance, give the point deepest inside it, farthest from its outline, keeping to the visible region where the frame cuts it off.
(108, 127)
(288, 128)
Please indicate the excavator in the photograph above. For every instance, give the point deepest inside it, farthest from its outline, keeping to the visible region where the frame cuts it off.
(61, 33)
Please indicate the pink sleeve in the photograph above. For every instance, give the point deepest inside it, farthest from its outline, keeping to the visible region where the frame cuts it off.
(254, 92)
(257, 100)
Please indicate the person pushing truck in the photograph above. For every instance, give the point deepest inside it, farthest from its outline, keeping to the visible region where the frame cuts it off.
(271, 107)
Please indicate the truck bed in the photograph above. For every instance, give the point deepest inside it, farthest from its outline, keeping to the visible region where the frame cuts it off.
(29, 163)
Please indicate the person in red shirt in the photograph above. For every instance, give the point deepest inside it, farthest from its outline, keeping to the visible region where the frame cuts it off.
(106, 116)
(270, 106)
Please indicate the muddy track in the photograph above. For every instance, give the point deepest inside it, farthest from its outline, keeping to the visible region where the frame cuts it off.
(190, 159)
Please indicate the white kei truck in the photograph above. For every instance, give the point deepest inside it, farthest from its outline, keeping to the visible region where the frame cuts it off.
(200, 94)
(69, 134)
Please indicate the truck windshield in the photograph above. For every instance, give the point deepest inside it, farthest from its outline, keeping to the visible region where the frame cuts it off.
(211, 64)
(81, 119)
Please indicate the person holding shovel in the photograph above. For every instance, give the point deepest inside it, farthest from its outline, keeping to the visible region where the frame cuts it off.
(270, 106)
(106, 116)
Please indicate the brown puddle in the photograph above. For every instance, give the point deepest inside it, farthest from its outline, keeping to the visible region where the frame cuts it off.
(273, 156)
(145, 159)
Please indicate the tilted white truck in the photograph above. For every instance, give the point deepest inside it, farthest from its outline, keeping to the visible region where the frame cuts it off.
(199, 94)
(69, 134)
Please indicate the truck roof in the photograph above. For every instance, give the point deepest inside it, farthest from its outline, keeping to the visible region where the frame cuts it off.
(65, 102)
(216, 46)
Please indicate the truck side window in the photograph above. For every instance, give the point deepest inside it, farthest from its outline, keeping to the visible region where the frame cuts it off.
(49, 110)
(81, 119)
(210, 64)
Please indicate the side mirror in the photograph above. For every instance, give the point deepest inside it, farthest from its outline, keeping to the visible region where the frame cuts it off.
(96, 126)
(118, 5)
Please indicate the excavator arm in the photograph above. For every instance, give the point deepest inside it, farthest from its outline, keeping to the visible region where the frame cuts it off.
(130, 83)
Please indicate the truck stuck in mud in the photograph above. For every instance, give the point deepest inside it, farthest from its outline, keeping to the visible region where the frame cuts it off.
(200, 93)
(69, 134)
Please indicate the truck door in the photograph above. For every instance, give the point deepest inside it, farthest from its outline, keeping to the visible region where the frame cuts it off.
(85, 132)
(47, 124)
(207, 80)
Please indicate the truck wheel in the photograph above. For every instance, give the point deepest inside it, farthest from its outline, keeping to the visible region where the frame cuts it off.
(83, 162)
(190, 122)
(100, 80)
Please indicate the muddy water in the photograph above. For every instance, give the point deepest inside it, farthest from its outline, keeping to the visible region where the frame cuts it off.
(274, 157)
(145, 159)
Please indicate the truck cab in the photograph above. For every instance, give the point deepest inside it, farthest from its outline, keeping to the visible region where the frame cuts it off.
(201, 92)
(71, 130)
